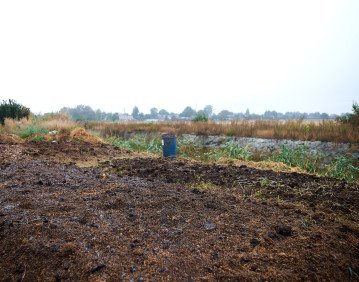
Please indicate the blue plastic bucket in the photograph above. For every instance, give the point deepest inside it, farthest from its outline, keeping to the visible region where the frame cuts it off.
(169, 145)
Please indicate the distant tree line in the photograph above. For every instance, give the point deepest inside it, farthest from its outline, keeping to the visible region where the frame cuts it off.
(82, 112)
(189, 113)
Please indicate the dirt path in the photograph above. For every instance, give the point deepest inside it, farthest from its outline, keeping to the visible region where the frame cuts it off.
(149, 219)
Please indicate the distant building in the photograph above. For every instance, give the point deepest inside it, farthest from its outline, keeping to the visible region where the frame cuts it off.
(125, 117)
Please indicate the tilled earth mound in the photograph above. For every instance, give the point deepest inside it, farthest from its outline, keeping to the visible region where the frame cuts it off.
(316, 192)
(60, 222)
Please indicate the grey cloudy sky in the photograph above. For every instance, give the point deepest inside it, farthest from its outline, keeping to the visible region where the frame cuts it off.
(262, 55)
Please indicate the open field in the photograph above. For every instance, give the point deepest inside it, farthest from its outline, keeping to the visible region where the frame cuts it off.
(76, 211)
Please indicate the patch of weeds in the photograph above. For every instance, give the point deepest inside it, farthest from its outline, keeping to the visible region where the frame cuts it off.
(32, 130)
(264, 182)
(137, 144)
(154, 146)
(259, 194)
(38, 138)
(343, 168)
(235, 151)
(298, 157)
(205, 185)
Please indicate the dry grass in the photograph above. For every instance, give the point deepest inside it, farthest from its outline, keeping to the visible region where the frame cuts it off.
(81, 135)
(12, 126)
(294, 130)
(59, 122)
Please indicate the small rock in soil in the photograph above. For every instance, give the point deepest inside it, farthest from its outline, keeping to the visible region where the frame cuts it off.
(208, 225)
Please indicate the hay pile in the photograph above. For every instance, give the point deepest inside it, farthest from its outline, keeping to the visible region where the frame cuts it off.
(10, 138)
(80, 134)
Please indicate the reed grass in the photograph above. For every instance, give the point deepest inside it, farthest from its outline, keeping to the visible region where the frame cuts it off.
(294, 130)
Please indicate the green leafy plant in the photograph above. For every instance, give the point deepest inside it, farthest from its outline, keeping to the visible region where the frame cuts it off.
(235, 151)
(343, 168)
(298, 157)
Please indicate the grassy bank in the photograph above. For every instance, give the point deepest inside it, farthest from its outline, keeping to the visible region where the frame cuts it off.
(340, 168)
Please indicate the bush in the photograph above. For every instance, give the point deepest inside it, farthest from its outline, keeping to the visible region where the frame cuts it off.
(352, 118)
(200, 117)
(13, 110)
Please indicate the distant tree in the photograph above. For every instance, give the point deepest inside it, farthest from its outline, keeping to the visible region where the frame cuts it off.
(135, 112)
(141, 116)
(324, 116)
(351, 118)
(188, 112)
(224, 115)
(153, 113)
(82, 112)
(115, 117)
(163, 112)
(200, 117)
(13, 110)
(270, 115)
(208, 111)
(247, 113)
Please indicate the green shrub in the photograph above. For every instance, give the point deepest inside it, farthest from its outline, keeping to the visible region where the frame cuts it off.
(13, 110)
(200, 117)
(352, 118)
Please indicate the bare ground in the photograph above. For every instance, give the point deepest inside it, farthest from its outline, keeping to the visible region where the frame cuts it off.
(73, 211)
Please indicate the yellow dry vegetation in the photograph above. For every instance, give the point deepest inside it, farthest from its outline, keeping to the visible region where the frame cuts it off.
(10, 138)
(265, 165)
(82, 135)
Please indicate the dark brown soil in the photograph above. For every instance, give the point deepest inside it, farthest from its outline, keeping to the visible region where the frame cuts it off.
(149, 219)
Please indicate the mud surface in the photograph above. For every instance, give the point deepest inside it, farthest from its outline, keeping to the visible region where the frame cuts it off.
(148, 219)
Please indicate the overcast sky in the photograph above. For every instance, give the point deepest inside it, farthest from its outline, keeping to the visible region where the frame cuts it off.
(113, 55)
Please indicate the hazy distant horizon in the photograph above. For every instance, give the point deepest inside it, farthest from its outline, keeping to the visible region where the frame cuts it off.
(262, 55)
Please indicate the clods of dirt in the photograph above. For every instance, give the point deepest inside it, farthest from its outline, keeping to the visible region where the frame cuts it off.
(119, 222)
